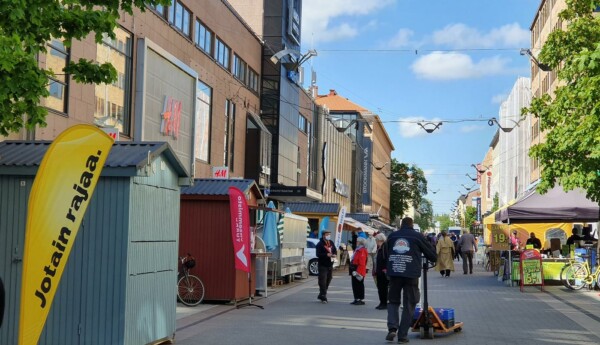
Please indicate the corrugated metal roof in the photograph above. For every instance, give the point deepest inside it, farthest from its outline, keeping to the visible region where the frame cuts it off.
(124, 154)
(361, 217)
(312, 207)
(210, 186)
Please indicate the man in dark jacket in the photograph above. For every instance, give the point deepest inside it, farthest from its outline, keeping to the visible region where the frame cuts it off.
(325, 253)
(403, 253)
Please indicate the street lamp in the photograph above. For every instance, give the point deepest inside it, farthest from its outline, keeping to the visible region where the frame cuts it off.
(296, 59)
(479, 170)
(472, 178)
(543, 67)
(379, 167)
(467, 188)
(505, 129)
(429, 127)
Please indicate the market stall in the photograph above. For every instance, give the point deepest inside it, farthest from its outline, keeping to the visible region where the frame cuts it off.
(550, 216)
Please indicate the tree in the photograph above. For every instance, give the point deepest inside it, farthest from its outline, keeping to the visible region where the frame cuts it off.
(25, 29)
(570, 155)
(445, 221)
(496, 203)
(424, 215)
(408, 186)
(470, 216)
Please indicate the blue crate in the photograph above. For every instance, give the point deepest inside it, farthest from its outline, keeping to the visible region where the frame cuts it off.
(445, 314)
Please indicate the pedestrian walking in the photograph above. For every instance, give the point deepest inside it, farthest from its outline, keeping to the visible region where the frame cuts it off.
(468, 247)
(325, 253)
(359, 271)
(445, 253)
(457, 248)
(371, 250)
(403, 251)
(380, 273)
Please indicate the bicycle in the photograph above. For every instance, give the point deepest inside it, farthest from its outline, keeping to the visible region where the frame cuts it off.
(190, 289)
(575, 275)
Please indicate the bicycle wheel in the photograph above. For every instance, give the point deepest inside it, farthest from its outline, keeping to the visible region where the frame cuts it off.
(563, 279)
(575, 275)
(190, 290)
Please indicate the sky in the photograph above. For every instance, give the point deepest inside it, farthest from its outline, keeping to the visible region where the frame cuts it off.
(424, 60)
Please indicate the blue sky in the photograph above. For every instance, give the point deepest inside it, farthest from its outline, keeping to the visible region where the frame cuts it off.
(454, 60)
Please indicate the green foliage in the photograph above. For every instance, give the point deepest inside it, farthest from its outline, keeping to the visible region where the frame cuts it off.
(25, 28)
(445, 221)
(408, 186)
(470, 216)
(424, 215)
(496, 203)
(570, 155)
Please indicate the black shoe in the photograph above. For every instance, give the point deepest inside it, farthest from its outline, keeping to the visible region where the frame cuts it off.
(322, 298)
(471, 272)
(381, 307)
(465, 273)
(391, 335)
(359, 303)
(447, 276)
(403, 340)
(355, 302)
(442, 273)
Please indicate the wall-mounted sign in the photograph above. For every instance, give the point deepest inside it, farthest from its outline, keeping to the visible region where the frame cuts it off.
(170, 117)
(367, 155)
(220, 172)
(341, 188)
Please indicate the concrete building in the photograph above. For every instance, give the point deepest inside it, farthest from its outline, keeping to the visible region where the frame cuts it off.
(188, 74)
(285, 109)
(545, 21)
(514, 143)
(372, 149)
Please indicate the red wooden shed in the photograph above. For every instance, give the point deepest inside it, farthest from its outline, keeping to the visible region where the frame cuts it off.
(205, 232)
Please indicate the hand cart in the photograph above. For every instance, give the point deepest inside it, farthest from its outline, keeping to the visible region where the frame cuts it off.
(429, 322)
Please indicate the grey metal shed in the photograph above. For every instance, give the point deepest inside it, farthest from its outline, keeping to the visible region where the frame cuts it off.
(119, 285)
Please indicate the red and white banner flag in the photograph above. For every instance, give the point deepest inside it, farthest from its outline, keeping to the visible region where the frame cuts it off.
(240, 229)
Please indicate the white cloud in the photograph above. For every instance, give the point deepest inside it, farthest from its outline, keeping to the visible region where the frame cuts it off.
(471, 128)
(401, 39)
(462, 36)
(317, 16)
(409, 128)
(499, 98)
(450, 65)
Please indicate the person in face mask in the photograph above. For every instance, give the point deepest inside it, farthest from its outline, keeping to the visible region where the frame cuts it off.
(325, 253)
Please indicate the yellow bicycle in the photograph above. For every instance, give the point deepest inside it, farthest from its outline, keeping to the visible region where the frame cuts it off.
(576, 275)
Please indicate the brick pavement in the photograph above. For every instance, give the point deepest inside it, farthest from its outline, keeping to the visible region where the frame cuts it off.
(492, 314)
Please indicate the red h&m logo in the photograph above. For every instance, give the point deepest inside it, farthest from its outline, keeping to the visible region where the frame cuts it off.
(171, 117)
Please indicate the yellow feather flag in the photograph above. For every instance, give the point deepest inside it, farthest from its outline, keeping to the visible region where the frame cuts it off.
(60, 194)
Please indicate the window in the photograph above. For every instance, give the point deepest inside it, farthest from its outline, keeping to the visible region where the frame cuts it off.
(229, 134)
(302, 123)
(222, 53)
(203, 111)
(160, 9)
(204, 37)
(240, 67)
(180, 16)
(252, 80)
(115, 101)
(56, 60)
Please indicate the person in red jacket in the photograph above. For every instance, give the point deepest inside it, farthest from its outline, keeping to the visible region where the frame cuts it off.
(359, 260)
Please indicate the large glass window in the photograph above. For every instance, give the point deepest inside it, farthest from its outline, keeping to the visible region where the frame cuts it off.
(204, 37)
(229, 134)
(160, 9)
(113, 102)
(240, 67)
(56, 59)
(222, 53)
(180, 16)
(252, 80)
(203, 111)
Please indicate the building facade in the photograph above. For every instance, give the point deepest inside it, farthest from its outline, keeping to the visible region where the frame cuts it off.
(188, 74)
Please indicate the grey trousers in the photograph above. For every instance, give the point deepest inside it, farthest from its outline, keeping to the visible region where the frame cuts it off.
(410, 298)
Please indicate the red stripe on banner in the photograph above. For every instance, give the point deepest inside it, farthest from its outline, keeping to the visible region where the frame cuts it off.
(240, 229)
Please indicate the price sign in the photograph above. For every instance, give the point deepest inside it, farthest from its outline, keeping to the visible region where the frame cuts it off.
(531, 269)
(500, 237)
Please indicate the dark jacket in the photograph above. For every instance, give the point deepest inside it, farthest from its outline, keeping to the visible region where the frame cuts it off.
(537, 244)
(322, 251)
(403, 250)
(379, 264)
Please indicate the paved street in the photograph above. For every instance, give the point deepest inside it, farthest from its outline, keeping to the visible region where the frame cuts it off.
(492, 314)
